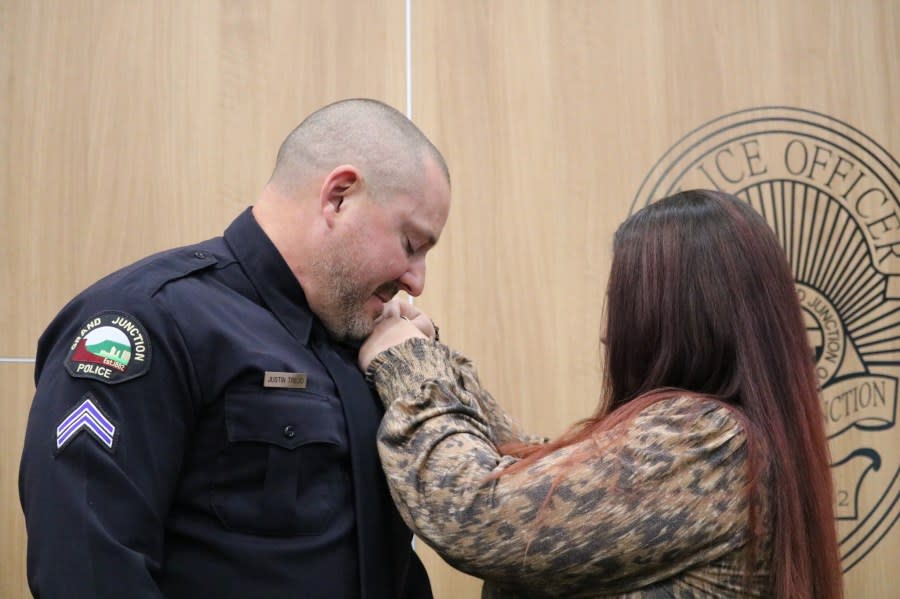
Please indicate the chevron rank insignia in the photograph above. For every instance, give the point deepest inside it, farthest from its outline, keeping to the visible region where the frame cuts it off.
(86, 417)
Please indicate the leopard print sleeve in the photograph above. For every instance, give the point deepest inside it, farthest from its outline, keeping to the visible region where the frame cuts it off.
(639, 504)
(503, 428)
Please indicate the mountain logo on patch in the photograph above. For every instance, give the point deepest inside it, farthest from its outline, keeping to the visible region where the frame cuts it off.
(107, 345)
(110, 347)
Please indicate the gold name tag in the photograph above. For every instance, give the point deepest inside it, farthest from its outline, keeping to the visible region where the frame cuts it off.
(289, 380)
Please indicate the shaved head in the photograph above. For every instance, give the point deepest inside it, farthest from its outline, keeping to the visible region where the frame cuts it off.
(357, 198)
(380, 141)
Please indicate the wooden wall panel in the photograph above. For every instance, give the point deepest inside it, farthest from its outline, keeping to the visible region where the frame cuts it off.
(131, 127)
(551, 114)
(16, 382)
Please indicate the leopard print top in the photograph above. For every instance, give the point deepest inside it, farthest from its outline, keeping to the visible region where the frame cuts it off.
(653, 508)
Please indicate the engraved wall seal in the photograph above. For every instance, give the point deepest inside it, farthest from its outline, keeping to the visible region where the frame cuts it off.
(830, 193)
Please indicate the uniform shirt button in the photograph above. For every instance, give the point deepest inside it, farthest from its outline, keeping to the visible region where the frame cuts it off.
(289, 432)
(201, 254)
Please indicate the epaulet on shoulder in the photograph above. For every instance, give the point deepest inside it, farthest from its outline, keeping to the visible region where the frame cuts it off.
(152, 273)
(179, 263)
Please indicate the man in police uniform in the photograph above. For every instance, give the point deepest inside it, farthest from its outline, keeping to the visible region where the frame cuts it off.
(200, 427)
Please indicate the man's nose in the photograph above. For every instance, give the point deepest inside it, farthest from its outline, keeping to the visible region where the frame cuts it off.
(413, 280)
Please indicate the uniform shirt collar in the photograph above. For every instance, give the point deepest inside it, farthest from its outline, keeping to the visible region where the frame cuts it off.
(270, 275)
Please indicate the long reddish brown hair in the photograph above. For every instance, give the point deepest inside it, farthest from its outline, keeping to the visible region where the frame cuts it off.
(701, 300)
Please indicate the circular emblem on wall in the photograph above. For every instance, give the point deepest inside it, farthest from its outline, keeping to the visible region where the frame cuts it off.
(832, 195)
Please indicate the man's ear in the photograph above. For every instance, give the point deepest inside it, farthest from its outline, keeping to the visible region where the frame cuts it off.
(338, 185)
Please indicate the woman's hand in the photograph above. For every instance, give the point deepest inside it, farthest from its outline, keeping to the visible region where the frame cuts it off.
(398, 322)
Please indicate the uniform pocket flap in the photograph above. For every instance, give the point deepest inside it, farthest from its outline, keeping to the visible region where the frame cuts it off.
(287, 418)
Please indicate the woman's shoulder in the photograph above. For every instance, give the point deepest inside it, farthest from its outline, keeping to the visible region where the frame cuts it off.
(689, 420)
(683, 407)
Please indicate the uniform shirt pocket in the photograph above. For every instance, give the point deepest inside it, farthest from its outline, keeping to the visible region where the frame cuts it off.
(284, 468)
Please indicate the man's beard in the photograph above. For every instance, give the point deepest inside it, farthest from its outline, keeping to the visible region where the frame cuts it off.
(342, 300)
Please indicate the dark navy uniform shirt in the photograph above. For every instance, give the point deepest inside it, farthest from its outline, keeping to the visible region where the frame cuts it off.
(196, 433)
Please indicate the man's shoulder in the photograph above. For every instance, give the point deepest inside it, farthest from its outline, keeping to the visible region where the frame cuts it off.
(132, 288)
(145, 277)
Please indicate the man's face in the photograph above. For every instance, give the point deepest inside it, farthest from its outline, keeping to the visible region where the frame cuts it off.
(378, 250)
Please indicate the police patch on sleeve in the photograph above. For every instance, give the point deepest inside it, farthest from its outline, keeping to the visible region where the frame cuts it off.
(89, 418)
(110, 347)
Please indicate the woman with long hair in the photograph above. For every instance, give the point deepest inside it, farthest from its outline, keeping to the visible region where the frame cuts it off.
(704, 471)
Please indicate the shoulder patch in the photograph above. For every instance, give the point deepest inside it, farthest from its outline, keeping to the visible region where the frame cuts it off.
(86, 416)
(110, 347)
